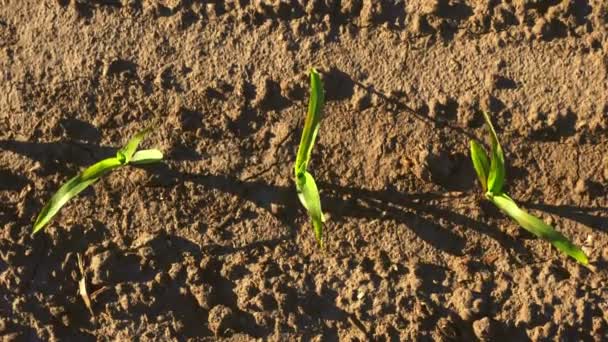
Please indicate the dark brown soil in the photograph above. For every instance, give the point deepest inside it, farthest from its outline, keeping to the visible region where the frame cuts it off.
(213, 243)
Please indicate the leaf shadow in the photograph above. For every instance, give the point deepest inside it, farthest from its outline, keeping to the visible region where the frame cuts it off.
(394, 104)
(55, 156)
(412, 210)
(12, 182)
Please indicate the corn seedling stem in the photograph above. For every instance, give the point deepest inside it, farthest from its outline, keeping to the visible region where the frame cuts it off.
(308, 192)
(491, 174)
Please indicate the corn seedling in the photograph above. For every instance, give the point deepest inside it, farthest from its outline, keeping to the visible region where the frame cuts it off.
(491, 173)
(125, 156)
(305, 183)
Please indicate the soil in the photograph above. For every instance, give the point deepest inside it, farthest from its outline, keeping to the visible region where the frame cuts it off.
(214, 244)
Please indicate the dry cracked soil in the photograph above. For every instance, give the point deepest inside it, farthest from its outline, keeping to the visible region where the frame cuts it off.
(213, 244)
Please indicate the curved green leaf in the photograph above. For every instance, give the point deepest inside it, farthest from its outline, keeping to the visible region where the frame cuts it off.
(497, 174)
(146, 157)
(305, 184)
(92, 173)
(310, 199)
(70, 189)
(481, 164)
(311, 125)
(126, 153)
(539, 228)
(100, 168)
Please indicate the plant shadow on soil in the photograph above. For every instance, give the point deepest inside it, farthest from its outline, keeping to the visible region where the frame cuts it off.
(406, 209)
(49, 271)
(341, 86)
(411, 210)
(55, 156)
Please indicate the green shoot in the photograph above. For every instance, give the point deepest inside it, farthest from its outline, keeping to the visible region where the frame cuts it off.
(491, 174)
(305, 183)
(124, 156)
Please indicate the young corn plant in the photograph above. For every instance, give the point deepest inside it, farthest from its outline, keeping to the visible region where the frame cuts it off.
(125, 156)
(491, 173)
(305, 183)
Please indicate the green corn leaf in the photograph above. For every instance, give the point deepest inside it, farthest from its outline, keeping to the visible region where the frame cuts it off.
(126, 153)
(497, 174)
(100, 168)
(313, 120)
(305, 183)
(70, 189)
(480, 163)
(539, 228)
(310, 199)
(92, 173)
(146, 157)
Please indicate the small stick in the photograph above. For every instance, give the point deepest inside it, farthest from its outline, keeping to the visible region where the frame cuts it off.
(82, 286)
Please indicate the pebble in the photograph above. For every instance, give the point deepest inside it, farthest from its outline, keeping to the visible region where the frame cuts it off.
(220, 319)
(204, 295)
(483, 329)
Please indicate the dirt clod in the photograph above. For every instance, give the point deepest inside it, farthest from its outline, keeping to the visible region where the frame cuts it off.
(220, 320)
(484, 329)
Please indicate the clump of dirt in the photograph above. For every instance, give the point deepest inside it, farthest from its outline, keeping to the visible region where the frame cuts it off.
(214, 244)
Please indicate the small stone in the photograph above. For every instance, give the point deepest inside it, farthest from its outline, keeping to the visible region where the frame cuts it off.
(361, 293)
(447, 329)
(212, 11)
(203, 295)
(483, 329)
(220, 319)
(479, 305)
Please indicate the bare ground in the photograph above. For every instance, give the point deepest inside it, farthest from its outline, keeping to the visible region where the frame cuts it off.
(214, 244)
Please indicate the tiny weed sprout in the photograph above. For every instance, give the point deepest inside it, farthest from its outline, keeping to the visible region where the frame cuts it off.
(125, 156)
(491, 173)
(305, 183)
